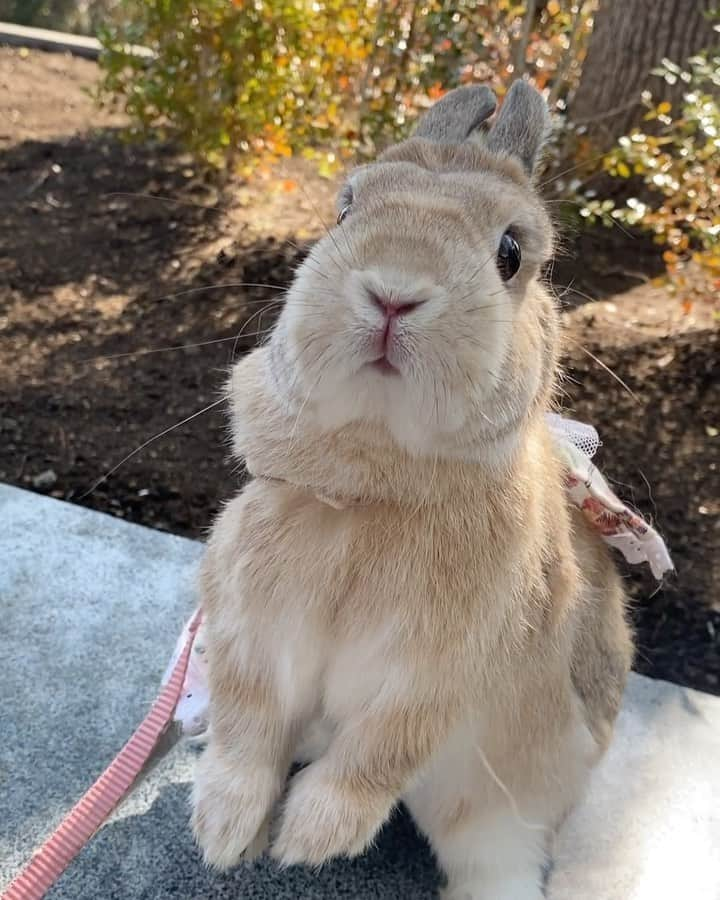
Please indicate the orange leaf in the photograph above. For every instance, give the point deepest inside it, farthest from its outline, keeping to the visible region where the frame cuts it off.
(289, 186)
(687, 306)
(436, 91)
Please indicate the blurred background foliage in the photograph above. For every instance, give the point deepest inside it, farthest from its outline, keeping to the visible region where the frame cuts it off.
(245, 83)
(672, 156)
(280, 76)
(77, 16)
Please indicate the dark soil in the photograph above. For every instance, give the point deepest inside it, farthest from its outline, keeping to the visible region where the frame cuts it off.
(88, 272)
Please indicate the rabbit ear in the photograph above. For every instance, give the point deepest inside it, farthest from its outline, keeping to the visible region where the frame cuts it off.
(454, 117)
(522, 125)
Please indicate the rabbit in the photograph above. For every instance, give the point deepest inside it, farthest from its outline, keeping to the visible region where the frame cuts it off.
(402, 595)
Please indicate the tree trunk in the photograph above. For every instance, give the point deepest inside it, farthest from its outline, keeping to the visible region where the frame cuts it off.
(629, 39)
(520, 49)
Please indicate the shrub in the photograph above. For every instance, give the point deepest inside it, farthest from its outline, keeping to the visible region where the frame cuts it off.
(232, 77)
(675, 159)
(262, 79)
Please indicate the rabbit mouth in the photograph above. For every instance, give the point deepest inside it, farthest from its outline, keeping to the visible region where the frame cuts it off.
(387, 345)
(383, 365)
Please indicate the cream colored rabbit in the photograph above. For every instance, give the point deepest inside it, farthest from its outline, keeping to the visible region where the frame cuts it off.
(403, 577)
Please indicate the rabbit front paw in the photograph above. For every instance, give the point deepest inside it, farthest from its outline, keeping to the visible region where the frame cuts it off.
(231, 810)
(324, 818)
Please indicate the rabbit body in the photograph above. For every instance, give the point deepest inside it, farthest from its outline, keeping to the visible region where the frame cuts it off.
(402, 594)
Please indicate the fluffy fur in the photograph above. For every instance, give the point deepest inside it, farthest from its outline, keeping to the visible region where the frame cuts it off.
(402, 594)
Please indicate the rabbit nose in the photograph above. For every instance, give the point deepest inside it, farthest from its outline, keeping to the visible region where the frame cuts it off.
(394, 306)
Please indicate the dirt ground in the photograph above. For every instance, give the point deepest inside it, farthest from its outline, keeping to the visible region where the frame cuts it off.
(111, 253)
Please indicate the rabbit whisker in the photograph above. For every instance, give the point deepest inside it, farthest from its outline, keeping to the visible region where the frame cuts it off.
(92, 359)
(255, 315)
(606, 368)
(155, 437)
(213, 287)
(534, 826)
(173, 200)
(580, 165)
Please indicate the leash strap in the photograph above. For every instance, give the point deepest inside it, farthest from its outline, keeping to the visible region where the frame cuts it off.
(85, 818)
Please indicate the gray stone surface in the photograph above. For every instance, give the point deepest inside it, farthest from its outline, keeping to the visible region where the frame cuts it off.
(649, 828)
(91, 607)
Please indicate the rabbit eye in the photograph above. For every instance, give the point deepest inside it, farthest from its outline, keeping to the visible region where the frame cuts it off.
(508, 256)
(345, 202)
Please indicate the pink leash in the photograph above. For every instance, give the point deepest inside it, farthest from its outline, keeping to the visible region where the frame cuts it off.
(89, 813)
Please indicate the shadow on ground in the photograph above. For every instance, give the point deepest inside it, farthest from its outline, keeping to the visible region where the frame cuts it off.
(95, 265)
(659, 452)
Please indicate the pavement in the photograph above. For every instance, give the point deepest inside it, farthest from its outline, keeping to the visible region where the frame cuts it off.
(91, 607)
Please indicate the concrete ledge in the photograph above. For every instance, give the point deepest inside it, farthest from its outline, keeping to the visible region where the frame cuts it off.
(650, 826)
(91, 607)
(58, 41)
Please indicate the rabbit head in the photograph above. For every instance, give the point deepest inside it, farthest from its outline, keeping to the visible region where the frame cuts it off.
(421, 311)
